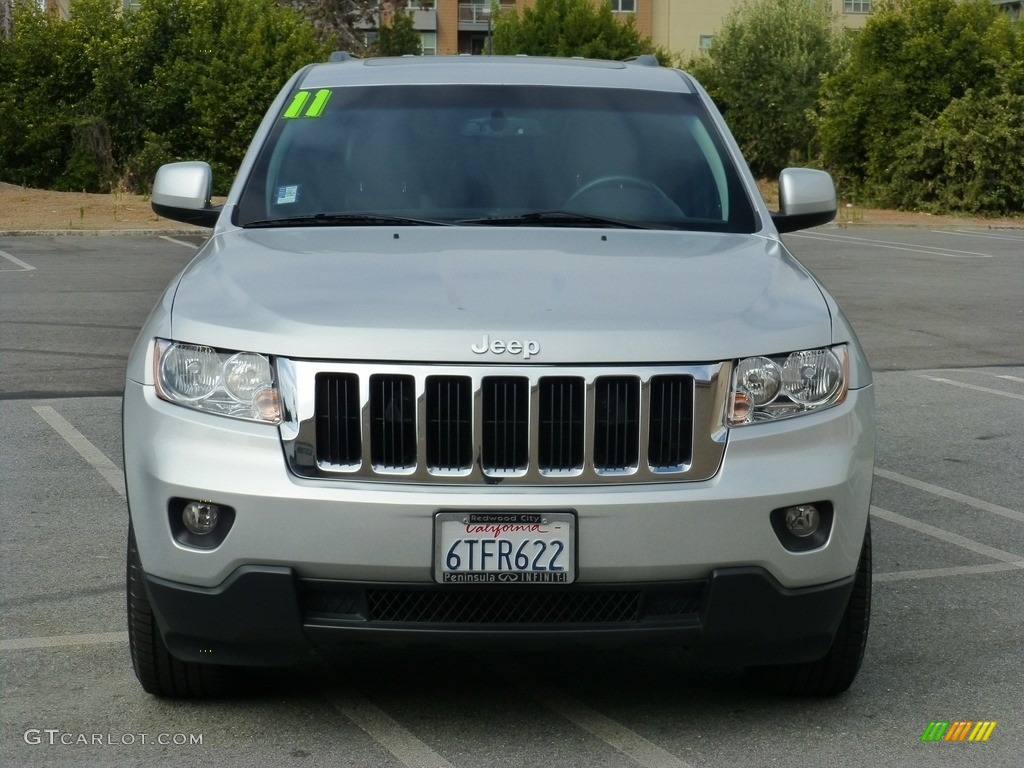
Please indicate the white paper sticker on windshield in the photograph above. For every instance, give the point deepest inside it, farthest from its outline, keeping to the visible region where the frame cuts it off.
(287, 195)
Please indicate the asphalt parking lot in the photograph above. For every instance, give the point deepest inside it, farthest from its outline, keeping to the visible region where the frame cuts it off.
(941, 315)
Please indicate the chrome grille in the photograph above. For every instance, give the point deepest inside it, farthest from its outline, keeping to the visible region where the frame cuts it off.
(537, 425)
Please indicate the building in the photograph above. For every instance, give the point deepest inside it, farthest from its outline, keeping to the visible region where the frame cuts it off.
(1015, 8)
(680, 26)
(686, 26)
(464, 26)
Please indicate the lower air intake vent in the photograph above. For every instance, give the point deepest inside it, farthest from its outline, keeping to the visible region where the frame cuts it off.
(324, 602)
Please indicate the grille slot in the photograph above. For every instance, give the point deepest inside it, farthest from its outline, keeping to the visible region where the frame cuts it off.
(449, 423)
(560, 445)
(520, 425)
(616, 434)
(671, 420)
(393, 422)
(505, 448)
(337, 419)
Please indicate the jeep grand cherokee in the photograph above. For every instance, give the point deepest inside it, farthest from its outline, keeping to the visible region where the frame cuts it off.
(496, 350)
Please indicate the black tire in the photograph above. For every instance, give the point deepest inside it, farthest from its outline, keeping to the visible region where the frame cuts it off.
(159, 672)
(835, 672)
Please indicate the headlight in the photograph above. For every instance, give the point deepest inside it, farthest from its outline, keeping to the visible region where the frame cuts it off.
(769, 388)
(238, 384)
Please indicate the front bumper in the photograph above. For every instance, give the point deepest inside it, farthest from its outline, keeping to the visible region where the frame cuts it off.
(376, 532)
(266, 616)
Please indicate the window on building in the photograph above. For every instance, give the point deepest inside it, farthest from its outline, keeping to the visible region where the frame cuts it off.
(624, 6)
(856, 6)
(428, 41)
(706, 41)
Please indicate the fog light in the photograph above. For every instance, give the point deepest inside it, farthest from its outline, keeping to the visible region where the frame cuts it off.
(802, 521)
(200, 517)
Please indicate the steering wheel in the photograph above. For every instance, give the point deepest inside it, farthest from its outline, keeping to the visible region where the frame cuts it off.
(661, 204)
(615, 180)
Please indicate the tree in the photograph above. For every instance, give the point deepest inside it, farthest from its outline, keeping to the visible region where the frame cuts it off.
(969, 159)
(570, 28)
(202, 73)
(104, 98)
(399, 38)
(41, 84)
(913, 60)
(6, 18)
(342, 24)
(764, 72)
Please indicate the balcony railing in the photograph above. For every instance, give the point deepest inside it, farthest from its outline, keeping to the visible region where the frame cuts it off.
(479, 13)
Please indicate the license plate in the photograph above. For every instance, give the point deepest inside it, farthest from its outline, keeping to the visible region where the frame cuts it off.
(505, 547)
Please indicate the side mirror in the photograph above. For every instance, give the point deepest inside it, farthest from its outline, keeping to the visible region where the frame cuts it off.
(807, 198)
(181, 191)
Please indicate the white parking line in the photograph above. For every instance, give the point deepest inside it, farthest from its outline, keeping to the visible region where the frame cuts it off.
(15, 260)
(62, 641)
(1010, 238)
(945, 493)
(170, 239)
(85, 449)
(386, 731)
(975, 387)
(927, 250)
(938, 573)
(629, 743)
(950, 538)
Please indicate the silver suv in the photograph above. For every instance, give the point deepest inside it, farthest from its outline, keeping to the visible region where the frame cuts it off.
(496, 350)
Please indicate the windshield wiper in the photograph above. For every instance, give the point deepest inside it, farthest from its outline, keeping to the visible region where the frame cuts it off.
(555, 219)
(344, 219)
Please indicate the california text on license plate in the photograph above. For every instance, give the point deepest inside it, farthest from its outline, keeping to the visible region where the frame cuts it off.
(505, 547)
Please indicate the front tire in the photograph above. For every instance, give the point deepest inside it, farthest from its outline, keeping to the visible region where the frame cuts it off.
(157, 670)
(835, 672)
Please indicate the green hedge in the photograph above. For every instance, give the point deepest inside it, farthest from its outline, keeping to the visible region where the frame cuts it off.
(100, 101)
(927, 113)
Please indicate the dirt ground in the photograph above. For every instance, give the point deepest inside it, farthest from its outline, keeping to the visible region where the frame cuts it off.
(33, 210)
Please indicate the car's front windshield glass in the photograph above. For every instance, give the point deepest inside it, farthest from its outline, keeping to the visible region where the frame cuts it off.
(496, 155)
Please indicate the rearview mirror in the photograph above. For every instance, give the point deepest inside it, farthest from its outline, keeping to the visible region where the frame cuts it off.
(807, 198)
(181, 192)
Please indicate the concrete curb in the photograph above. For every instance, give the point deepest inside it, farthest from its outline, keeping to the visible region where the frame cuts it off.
(101, 232)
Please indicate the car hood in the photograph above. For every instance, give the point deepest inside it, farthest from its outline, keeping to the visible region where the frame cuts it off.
(443, 294)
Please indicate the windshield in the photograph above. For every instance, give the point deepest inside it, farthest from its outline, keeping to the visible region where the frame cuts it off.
(497, 156)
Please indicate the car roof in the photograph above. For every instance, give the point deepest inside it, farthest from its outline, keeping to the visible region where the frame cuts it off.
(490, 70)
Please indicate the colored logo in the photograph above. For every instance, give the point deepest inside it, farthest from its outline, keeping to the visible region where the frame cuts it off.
(958, 730)
(299, 101)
